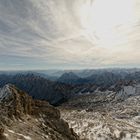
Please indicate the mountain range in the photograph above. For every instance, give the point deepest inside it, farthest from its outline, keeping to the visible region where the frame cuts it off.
(104, 105)
(38, 87)
(69, 84)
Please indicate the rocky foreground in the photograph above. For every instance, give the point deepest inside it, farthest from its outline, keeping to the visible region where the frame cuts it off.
(22, 118)
(108, 115)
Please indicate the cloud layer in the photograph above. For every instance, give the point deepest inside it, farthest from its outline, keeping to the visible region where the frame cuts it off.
(45, 34)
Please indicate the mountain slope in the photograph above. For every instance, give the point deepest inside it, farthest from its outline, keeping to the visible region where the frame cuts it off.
(38, 87)
(106, 115)
(23, 118)
(70, 78)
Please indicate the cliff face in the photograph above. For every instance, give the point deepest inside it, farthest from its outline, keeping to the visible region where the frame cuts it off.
(21, 117)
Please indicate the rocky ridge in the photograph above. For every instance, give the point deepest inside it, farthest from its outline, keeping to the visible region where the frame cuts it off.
(23, 118)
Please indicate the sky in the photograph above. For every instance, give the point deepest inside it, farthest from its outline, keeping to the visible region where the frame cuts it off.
(69, 34)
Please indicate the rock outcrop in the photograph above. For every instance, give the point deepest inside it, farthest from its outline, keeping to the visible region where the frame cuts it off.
(25, 118)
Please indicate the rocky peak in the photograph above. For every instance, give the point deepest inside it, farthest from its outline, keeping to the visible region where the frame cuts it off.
(68, 76)
(17, 101)
(5, 93)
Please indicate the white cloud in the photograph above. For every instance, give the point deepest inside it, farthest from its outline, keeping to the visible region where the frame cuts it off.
(52, 34)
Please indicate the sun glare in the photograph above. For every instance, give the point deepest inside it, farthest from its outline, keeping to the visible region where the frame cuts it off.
(102, 17)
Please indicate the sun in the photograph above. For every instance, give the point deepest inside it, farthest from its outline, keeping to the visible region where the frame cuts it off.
(101, 18)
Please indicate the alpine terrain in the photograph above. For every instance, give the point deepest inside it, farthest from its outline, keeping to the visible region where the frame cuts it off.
(22, 118)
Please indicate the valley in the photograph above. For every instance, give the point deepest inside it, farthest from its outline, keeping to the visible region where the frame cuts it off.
(105, 115)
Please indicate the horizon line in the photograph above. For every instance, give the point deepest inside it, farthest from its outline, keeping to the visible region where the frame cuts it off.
(58, 69)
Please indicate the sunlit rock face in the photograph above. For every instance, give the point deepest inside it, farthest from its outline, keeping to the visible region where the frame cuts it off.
(53, 33)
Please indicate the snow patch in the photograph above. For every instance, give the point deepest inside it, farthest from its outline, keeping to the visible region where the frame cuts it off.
(5, 134)
(11, 131)
(25, 137)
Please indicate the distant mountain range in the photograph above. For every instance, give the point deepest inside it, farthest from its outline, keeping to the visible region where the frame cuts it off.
(83, 73)
(100, 78)
(57, 90)
(70, 78)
